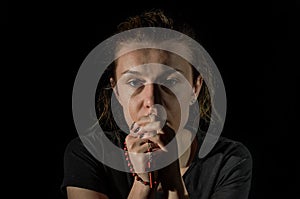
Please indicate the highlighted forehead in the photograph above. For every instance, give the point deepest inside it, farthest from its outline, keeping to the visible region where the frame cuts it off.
(148, 57)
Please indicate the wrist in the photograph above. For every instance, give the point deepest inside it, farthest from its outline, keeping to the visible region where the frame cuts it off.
(140, 190)
(147, 179)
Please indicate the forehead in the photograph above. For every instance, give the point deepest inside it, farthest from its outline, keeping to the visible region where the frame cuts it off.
(146, 56)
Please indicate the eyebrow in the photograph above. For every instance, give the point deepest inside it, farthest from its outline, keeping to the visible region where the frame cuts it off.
(138, 73)
(131, 72)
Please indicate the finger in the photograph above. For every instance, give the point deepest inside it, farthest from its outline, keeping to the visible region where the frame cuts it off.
(153, 126)
(137, 145)
(147, 119)
(136, 130)
(143, 148)
(132, 141)
(157, 140)
(147, 134)
(163, 137)
(134, 125)
(146, 131)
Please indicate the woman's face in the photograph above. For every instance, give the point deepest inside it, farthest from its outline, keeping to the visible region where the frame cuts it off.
(147, 77)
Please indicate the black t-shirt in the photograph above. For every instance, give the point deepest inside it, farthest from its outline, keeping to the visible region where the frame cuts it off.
(224, 173)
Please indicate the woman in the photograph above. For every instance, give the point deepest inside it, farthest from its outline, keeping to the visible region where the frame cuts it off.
(155, 93)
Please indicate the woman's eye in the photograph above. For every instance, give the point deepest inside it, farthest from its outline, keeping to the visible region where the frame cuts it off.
(135, 83)
(171, 82)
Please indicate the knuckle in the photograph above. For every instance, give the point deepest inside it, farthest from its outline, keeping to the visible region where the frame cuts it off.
(130, 147)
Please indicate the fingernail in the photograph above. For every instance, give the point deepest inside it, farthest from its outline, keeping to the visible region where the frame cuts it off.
(132, 125)
(137, 129)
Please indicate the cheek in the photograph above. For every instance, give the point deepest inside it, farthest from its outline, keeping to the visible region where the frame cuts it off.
(184, 115)
(127, 111)
(133, 109)
(178, 112)
(127, 105)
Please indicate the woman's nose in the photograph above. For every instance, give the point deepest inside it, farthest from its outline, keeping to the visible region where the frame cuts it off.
(151, 95)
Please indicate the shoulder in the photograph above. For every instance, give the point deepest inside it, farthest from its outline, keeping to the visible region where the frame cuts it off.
(91, 151)
(84, 166)
(231, 148)
(82, 169)
(75, 146)
(228, 168)
(93, 143)
(228, 154)
(76, 149)
(224, 172)
(76, 153)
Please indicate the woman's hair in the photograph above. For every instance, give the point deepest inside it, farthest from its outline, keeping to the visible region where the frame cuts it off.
(153, 18)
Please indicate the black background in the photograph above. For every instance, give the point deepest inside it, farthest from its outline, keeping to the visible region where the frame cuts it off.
(252, 44)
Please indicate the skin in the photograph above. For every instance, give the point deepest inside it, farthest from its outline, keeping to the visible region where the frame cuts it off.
(138, 88)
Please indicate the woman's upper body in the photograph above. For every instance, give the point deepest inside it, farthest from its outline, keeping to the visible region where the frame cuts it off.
(224, 173)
